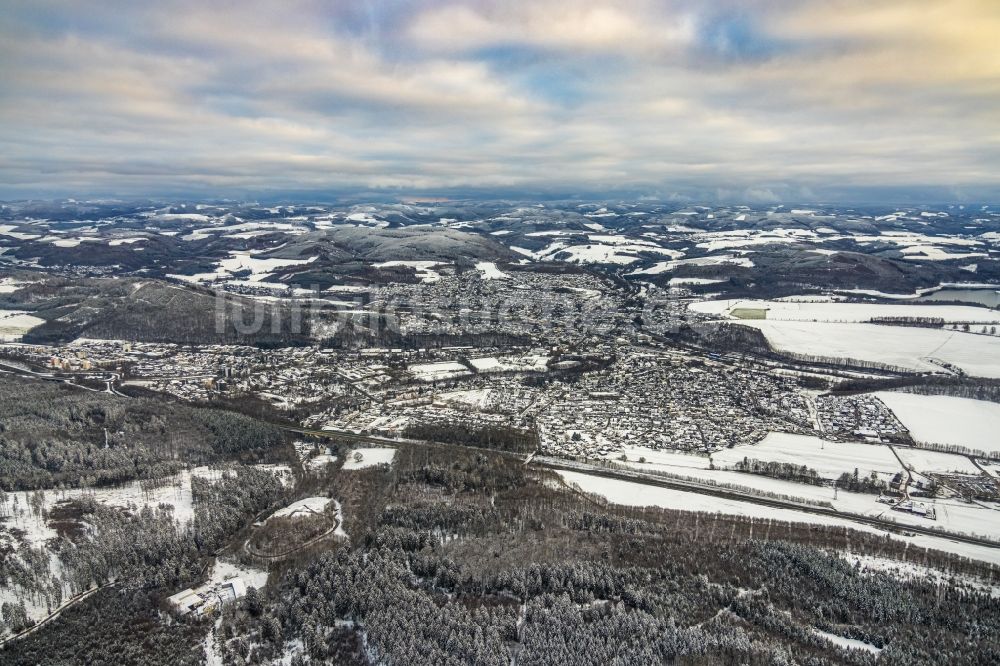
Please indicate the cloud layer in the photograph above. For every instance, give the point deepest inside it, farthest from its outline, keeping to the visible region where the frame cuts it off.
(799, 100)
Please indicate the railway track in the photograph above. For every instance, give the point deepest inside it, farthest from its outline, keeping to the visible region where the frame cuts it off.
(673, 484)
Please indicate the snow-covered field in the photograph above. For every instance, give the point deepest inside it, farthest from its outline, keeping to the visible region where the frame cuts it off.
(638, 494)
(961, 518)
(848, 643)
(924, 461)
(715, 260)
(369, 458)
(425, 269)
(174, 491)
(318, 463)
(939, 419)
(15, 323)
(429, 372)
(243, 261)
(906, 347)
(601, 254)
(829, 459)
(668, 460)
(849, 312)
(10, 285)
(240, 261)
(528, 363)
(471, 398)
(224, 570)
(680, 281)
(951, 514)
(489, 271)
(309, 506)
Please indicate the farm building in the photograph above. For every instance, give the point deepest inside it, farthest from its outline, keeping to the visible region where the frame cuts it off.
(208, 597)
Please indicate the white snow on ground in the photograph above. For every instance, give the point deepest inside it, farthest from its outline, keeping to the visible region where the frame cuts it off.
(717, 260)
(933, 253)
(125, 241)
(283, 472)
(8, 230)
(528, 363)
(224, 570)
(906, 347)
(425, 269)
(848, 312)
(260, 269)
(212, 655)
(489, 271)
(829, 459)
(175, 491)
(881, 294)
(921, 460)
(681, 281)
(15, 323)
(471, 398)
(309, 506)
(693, 467)
(669, 460)
(850, 643)
(429, 372)
(10, 285)
(369, 458)
(339, 511)
(940, 419)
(367, 218)
(638, 494)
(592, 254)
(319, 462)
(610, 239)
(486, 364)
(868, 564)
(191, 217)
(241, 261)
(602, 249)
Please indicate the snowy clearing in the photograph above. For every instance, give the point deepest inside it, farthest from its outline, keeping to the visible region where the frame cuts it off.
(829, 459)
(528, 363)
(489, 271)
(309, 506)
(370, 457)
(940, 419)
(424, 269)
(429, 372)
(905, 347)
(718, 260)
(681, 281)
(10, 285)
(848, 312)
(638, 494)
(15, 323)
(470, 398)
(848, 643)
(924, 461)
(318, 463)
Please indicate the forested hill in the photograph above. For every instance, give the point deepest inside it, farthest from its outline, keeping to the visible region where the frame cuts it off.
(151, 311)
(52, 434)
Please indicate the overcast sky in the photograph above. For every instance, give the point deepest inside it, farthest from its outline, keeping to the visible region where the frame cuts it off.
(754, 100)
